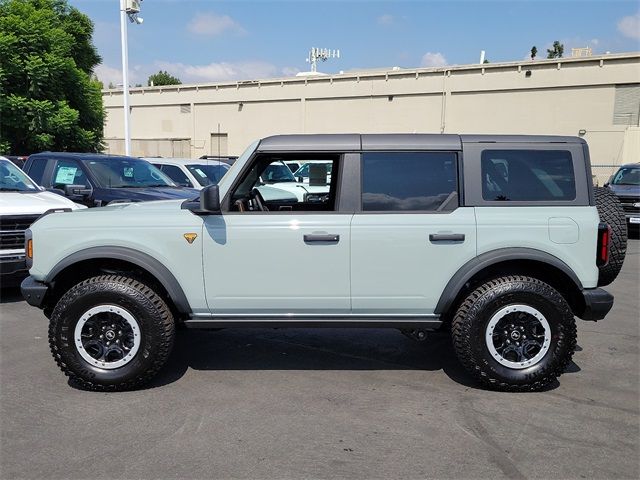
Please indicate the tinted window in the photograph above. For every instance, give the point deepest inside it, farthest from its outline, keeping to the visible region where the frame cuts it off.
(36, 170)
(527, 175)
(126, 172)
(208, 174)
(627, 176)
(69, 172)
(408, 181)
(176, 174)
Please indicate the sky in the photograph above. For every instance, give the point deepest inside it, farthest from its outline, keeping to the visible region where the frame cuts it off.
(213, 40)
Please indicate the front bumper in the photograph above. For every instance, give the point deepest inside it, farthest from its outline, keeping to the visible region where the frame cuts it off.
(12, 270)
(33, 291)
(597, 303)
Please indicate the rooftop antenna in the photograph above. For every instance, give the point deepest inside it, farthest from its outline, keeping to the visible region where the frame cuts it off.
(322, 54)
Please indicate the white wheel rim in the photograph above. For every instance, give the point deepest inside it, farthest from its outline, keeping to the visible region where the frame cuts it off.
(543, 342)
(125, 316)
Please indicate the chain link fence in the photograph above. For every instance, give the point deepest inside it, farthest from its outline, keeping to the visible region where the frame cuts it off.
(602, 173)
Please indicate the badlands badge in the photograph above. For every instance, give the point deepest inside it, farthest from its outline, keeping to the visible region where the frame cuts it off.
(190, 237)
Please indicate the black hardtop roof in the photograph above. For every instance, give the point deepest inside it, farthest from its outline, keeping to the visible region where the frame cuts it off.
(82, 156)
(396, 141)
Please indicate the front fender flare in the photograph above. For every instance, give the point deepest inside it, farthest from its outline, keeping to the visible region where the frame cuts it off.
(142, 260)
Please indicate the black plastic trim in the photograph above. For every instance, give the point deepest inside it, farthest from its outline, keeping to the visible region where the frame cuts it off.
(468, 270)
(33, 291)
(598, 303)
(142, 260)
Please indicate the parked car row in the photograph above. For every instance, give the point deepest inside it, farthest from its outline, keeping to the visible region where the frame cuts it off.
(32, 186)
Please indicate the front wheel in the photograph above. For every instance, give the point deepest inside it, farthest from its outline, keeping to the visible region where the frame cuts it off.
(111, 333)
(514, 333)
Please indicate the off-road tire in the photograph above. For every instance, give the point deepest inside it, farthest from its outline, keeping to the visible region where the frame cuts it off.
(472, 318)
(157, 329)
(611, 212)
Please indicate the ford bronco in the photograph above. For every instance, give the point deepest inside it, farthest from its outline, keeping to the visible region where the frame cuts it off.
(500, 240)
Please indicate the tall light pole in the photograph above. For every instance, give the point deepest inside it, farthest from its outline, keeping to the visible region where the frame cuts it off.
(129, 9)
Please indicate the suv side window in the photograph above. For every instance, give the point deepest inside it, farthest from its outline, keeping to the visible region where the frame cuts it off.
(408, 181)
(69, 172)
(272, 182)
(36, 170)
(175, 174)
(527, 175)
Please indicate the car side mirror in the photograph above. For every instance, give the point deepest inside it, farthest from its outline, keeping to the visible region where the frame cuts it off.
(76, 191)
(210, 199)
(300, 179)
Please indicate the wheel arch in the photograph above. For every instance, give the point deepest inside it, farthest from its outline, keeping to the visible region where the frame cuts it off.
(505, 261)
(119, 258)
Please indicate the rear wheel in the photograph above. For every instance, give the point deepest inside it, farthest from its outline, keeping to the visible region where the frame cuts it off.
(111, 333)
(611, 212)
(514, 333)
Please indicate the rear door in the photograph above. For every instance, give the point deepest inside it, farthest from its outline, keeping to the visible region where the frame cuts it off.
(411, 234)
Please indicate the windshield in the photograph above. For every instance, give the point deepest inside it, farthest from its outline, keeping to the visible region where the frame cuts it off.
(12, 179)
(123, 172)
(277, 172)
(208, 174)
(627, 176)
(303, 171)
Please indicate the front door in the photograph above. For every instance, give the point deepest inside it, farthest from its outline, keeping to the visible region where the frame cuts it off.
(411, 235)
(279, 248)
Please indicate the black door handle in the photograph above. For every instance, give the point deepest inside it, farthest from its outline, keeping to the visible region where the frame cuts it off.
(446, 237)
(321, 238)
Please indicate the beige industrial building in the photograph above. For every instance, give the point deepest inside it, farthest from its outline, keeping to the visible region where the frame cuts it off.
(596, 97)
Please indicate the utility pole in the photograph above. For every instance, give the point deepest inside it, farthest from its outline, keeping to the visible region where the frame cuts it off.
(129, 9)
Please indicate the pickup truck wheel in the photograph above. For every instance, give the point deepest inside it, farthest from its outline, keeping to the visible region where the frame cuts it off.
(611, 212)
(111, 333)
(514, 333)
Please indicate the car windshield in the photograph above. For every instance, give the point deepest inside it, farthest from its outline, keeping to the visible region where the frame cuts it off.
(123, 172)
(277, 172)
(627, 176)
(303, 171)
(208, 174)
(12, 179)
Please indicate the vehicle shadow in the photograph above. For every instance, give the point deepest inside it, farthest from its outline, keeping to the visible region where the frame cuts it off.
(10, 295)
(314, 349)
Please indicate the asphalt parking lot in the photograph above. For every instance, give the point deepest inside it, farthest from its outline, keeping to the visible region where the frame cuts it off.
(323, 404)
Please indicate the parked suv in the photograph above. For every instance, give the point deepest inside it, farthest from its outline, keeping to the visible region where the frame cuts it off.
(625, 184)
(21, 203)
(96, 180)
(497, 238)
(191, 173)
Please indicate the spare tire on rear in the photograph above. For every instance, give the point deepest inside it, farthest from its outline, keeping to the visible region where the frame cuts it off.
(611, 213)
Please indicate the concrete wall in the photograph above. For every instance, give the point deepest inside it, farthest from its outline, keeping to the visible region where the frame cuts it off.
(557, 97)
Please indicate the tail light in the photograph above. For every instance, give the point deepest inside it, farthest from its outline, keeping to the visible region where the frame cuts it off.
(604, 239)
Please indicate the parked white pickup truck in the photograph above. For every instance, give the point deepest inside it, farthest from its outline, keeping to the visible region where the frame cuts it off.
(22, 202)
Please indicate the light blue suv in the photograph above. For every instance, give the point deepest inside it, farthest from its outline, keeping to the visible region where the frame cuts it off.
(497, 237)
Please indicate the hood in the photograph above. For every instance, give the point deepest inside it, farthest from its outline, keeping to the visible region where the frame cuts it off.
(153, 193)
(625, 190)
(33, 203)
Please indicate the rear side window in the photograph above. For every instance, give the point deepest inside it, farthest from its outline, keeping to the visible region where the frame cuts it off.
(176, 174)
(36, 170)
(527, 175)
(408, 181)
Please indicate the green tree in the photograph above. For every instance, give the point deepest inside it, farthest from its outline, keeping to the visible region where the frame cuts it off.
(555, 51)
(48, 97)
(162, 78)
(534, 52)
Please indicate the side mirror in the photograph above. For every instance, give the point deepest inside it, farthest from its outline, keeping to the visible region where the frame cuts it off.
(76, 191)
(210, 199)
(300, 179)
